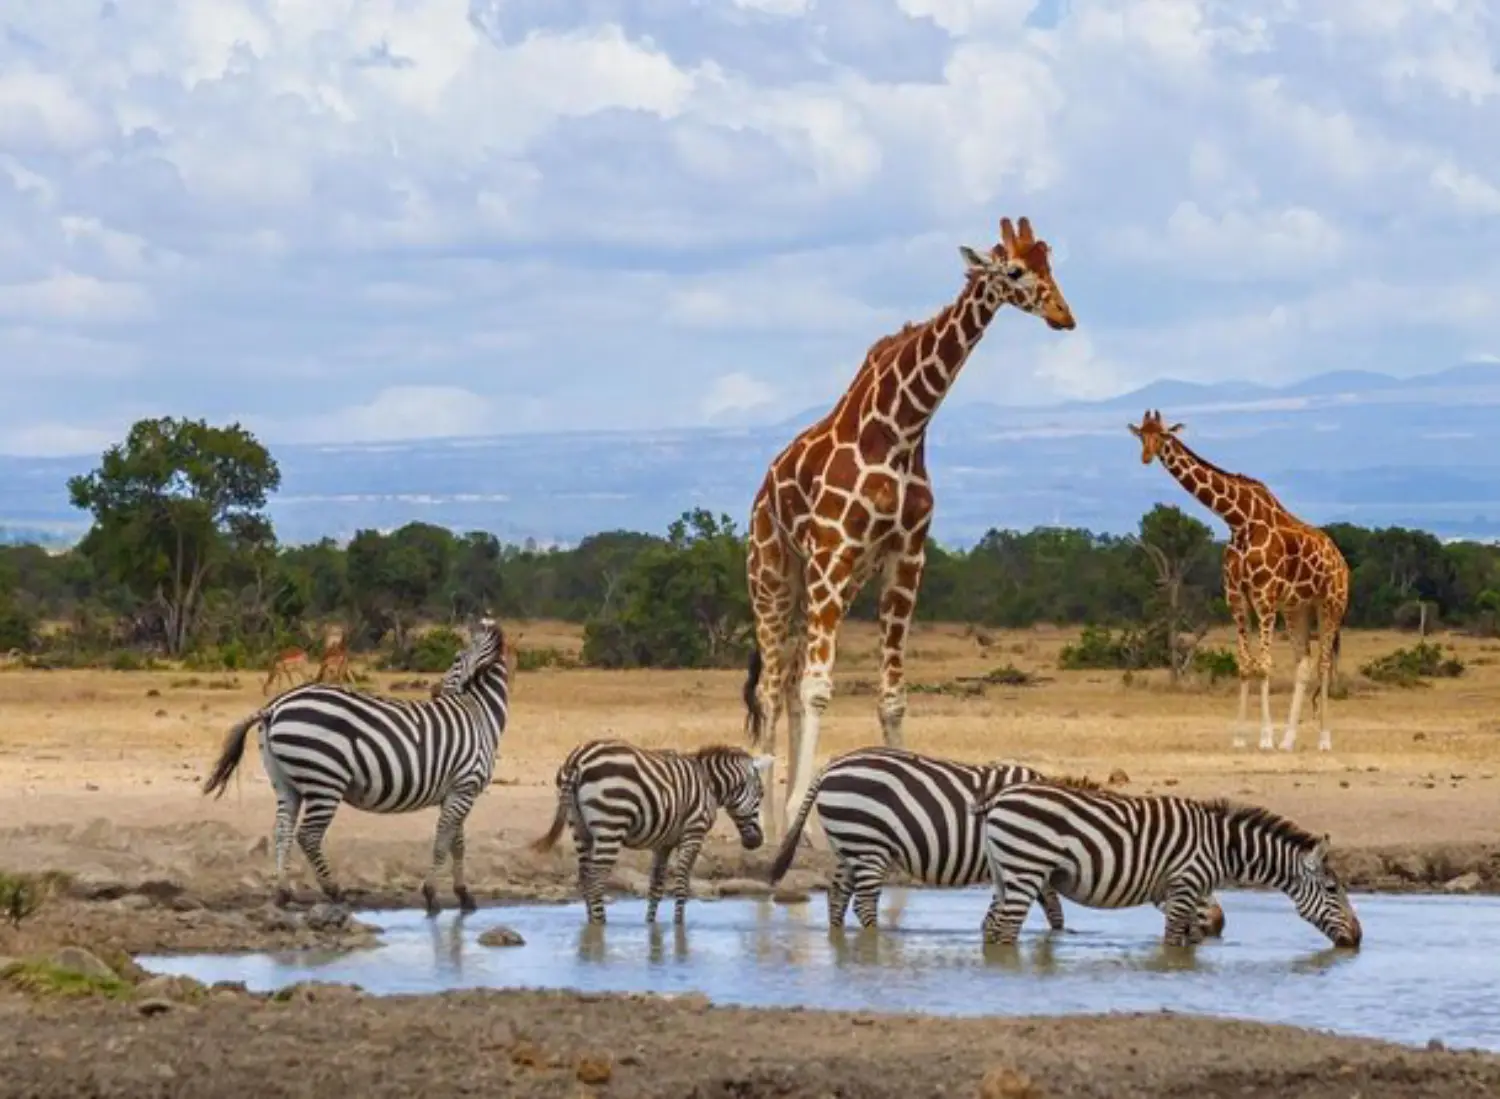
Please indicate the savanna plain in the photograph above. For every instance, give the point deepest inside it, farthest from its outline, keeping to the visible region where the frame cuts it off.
(99, 800)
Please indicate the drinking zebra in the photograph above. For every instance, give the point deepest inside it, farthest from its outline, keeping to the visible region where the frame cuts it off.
(323, 744)
(1110, 850)
(617, 795)
(890, 807)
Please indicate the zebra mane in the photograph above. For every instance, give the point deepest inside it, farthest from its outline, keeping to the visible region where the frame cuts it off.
(710, 752)
(1075, 782)
(1259, 817)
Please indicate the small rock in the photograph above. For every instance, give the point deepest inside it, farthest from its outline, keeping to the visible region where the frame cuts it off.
(154, 1006)
(595, 1069)
(186, 904)
(694, 1000)
(131, 902)
(1118, 777)
(1464, 883)
(318, 992)
(744, 887)
(500, 936)
(168, 987)
(75, 959)
(790, 896)
(1419, 736)
(327, 917)
(863, 1020)
(1169, 782)
(527, 1055)
(1343, 784)
(7, 964)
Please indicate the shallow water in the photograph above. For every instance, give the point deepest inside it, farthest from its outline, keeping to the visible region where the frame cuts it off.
(1429, 967)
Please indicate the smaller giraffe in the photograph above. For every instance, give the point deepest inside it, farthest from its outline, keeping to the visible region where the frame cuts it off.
(1273, 562)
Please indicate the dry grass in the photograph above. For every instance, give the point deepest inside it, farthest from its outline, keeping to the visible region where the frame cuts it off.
(151, 734)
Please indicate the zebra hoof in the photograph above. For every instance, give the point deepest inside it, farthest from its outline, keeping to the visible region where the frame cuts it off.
(466, 902)
(429, 897)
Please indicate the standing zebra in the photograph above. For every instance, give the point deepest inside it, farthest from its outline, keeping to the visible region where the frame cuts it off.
(889, 807)
(617, 795)
(324, 744)
(1109, 850)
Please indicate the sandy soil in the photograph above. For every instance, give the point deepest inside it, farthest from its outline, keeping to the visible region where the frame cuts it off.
(327, 1040)
(99, 777)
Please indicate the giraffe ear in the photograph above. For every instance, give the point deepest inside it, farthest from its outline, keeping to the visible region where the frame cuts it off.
(1134, 430)
(973, 259)
(1174, 429)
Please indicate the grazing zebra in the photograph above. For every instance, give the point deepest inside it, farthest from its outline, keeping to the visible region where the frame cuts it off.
(889, 807)
(1110, 850)
(323, 744)
(617, 795)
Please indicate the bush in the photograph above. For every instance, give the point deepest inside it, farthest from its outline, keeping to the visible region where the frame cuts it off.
(1410, 667)
(1216, 664)
(529, 660)
(17, 627)
(1098, 648)
(432, 652)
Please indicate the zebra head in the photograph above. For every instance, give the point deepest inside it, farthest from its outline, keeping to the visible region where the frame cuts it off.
(1320, 897)
(486, 648)
(734, 776)
(1267, 849)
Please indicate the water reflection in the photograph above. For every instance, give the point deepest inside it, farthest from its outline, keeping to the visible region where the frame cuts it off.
(1428, 967)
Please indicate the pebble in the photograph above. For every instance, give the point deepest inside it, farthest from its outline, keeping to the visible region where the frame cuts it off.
(501, 936)
(1464, 883)
(154, 1006)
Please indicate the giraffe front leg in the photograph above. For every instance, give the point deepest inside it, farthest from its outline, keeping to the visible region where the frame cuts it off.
(1330, 618)
(1263, 669)
(829, 579)
(1235, 597)
(770, 570)
(1300, 625)
(898, 603)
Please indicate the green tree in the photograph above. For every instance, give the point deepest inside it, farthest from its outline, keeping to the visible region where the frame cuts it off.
(683, 604)
(1180, 551)
(394, 578)
(167, 504)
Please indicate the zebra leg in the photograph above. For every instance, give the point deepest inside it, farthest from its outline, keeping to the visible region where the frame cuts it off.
(866, 877)
(288, 806)
(838, 896)
(1052, 905)
(601, 862)
(460, 883)
(1007, 912)
(1182, 907)
(687, 854)
(450, 828)
(317, 815)
(659, 859)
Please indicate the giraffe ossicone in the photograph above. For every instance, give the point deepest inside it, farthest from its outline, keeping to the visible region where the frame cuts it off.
(849, 499)
(1274, 563)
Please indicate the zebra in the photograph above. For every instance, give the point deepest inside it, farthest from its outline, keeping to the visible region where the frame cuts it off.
(617, 795)
(324, 744)
(891, 807)
(1106, 849)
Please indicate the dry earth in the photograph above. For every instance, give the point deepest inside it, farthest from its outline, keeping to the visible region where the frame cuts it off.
(99, 777)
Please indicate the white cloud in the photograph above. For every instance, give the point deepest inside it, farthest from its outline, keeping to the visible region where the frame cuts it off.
(411, 217)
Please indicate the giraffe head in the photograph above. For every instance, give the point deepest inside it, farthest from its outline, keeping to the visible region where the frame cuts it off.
(1152, 434)
(1018, 271)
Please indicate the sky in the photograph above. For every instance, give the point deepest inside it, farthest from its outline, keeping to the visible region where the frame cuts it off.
(356, 220)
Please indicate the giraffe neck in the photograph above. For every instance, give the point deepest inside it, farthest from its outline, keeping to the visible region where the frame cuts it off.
(1232, 497)
(910, 382)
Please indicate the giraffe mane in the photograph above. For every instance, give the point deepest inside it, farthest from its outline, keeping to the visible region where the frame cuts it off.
(1258, 816)
(1241, 478)
(894, 339)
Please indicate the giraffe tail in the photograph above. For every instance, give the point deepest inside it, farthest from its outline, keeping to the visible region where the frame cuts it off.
(755, 719)
(231, 754)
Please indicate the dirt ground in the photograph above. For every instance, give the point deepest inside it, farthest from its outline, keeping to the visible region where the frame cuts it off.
(99, 777)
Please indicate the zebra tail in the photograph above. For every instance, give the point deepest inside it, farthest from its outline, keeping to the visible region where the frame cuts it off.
(788, 849)
(559, 819)
(231, 754)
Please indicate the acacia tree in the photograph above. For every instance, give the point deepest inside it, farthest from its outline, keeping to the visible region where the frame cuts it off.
(1180, 548)
(168, 504)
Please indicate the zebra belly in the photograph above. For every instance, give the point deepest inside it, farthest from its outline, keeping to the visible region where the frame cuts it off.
(932, 852)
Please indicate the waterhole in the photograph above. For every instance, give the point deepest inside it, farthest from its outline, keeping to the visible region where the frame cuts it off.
(1429, 966)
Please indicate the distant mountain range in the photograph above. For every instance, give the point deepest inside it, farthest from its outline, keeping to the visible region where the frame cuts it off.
(1348, 445)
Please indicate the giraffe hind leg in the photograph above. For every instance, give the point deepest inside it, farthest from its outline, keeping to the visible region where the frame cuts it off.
(1299, 625)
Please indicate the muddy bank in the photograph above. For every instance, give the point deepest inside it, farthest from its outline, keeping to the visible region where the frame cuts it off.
(205, 885)
(184, 1041)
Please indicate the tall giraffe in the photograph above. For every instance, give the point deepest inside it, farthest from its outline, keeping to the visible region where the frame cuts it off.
(1274, 562)
(850, 497)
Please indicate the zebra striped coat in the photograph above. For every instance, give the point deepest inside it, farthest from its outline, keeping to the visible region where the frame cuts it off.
(616, 795)
(1111, 850)
(323, 745)
(884, 808)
